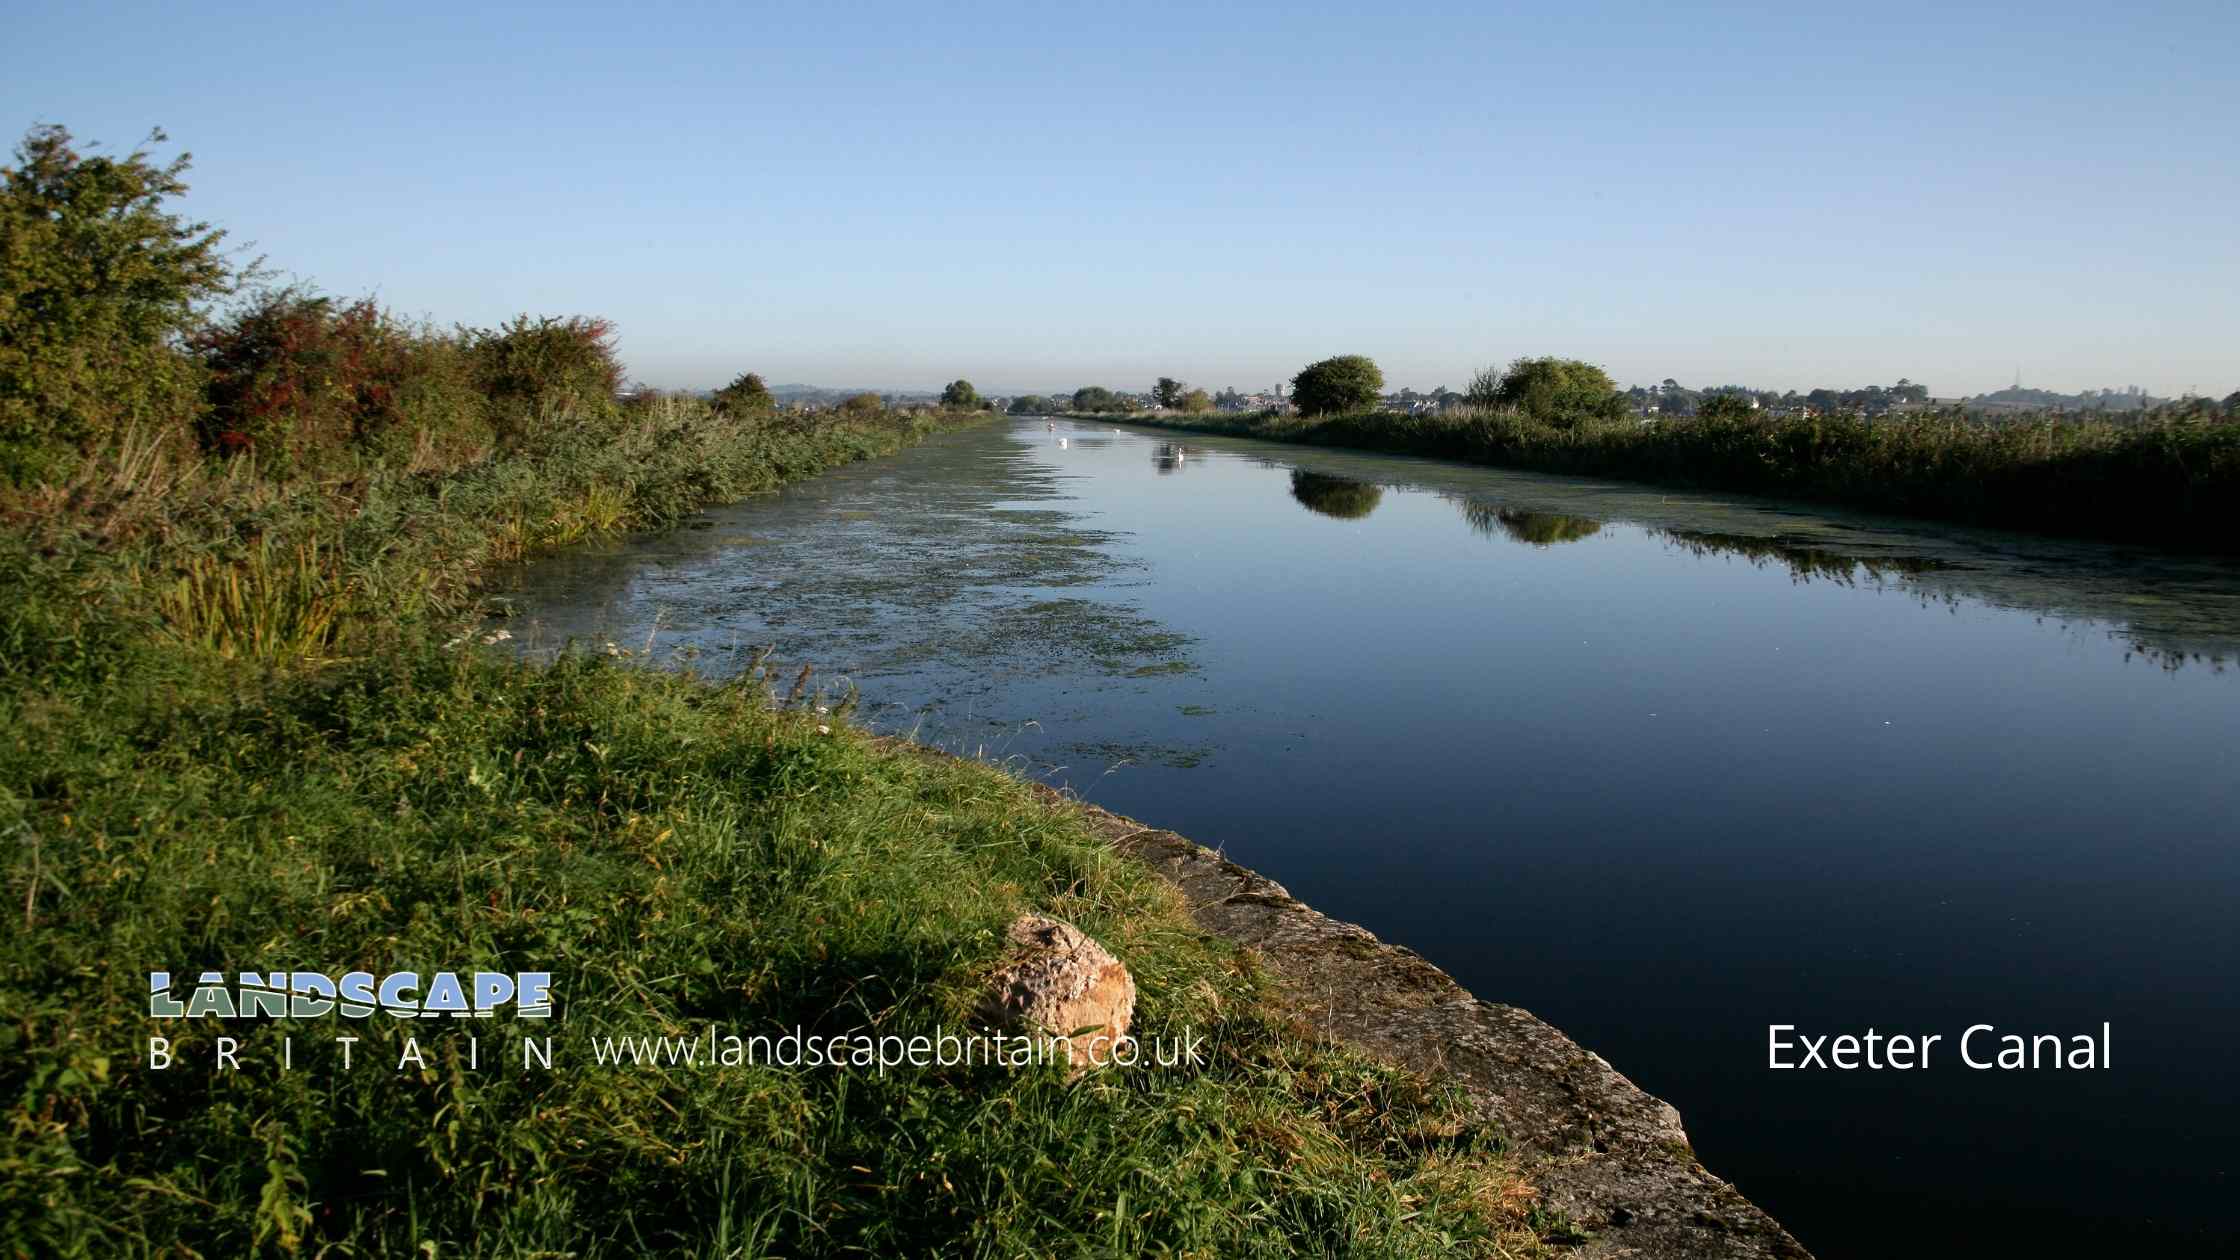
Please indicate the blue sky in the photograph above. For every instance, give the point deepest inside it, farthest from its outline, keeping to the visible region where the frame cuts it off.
(1043, 196)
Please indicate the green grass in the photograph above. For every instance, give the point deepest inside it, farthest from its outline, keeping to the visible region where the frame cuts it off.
(243, 730)
(2172, 482)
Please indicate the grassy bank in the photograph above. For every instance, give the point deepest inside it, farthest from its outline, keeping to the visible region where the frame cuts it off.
(244, 730)
(2172, 483)
(251, 720)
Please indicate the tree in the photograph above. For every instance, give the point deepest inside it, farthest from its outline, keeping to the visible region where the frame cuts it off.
(98, 281)
(960, 393)
(1563, 393)
(864, 404)
(1348, 382)
(1032, 405)
(1168, 392)
(745, 395)
(1197, 401)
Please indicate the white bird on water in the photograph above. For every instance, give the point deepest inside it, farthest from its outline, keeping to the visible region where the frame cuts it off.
(1061, 444)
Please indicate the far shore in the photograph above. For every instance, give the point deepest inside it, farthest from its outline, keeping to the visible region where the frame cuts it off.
(2171, 483)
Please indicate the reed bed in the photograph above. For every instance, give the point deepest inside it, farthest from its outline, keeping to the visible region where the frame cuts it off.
(2171, 482)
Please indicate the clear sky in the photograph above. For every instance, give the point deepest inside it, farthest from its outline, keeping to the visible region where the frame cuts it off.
(1044, 196)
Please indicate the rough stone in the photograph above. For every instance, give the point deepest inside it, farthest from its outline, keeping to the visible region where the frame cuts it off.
(1062, 984)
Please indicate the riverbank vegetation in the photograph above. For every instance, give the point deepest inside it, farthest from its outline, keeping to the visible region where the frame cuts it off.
(2172, 481)
(250, 720)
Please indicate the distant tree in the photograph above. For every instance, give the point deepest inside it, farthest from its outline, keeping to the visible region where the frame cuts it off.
(864, 404)
(2232, 403)
(1031, 405)
(1564, 393)
(1348, 382)
(1197, 401)
(1485, 388)
(1229, 399)
(1340, 497)
(1098, 398)
(745, 395)
(98, 280)
(961, 394)
(1168, 392)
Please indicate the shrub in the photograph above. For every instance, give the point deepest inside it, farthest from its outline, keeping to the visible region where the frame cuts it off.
(745, 395)
(292, 374)
(960, 394)
(1349, 382)
(1197, 402)
(97, 282)
(864, 404)
(530, 366)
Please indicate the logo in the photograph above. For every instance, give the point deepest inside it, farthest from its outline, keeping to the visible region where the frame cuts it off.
(353, 995)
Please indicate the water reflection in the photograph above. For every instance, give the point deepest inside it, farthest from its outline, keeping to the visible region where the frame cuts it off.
(1805, 563)
(1170, 457)
(1538, 529)
(1340, 497)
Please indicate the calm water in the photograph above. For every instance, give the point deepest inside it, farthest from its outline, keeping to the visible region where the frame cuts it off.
(1663, 769)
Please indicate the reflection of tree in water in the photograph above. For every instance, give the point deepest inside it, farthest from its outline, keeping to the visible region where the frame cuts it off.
(1170, 457)
(1540, 529)
(1805, 563)
(1341, 497)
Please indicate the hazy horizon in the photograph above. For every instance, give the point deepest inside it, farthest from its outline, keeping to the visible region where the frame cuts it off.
(1778, 199)
(1392, 386)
